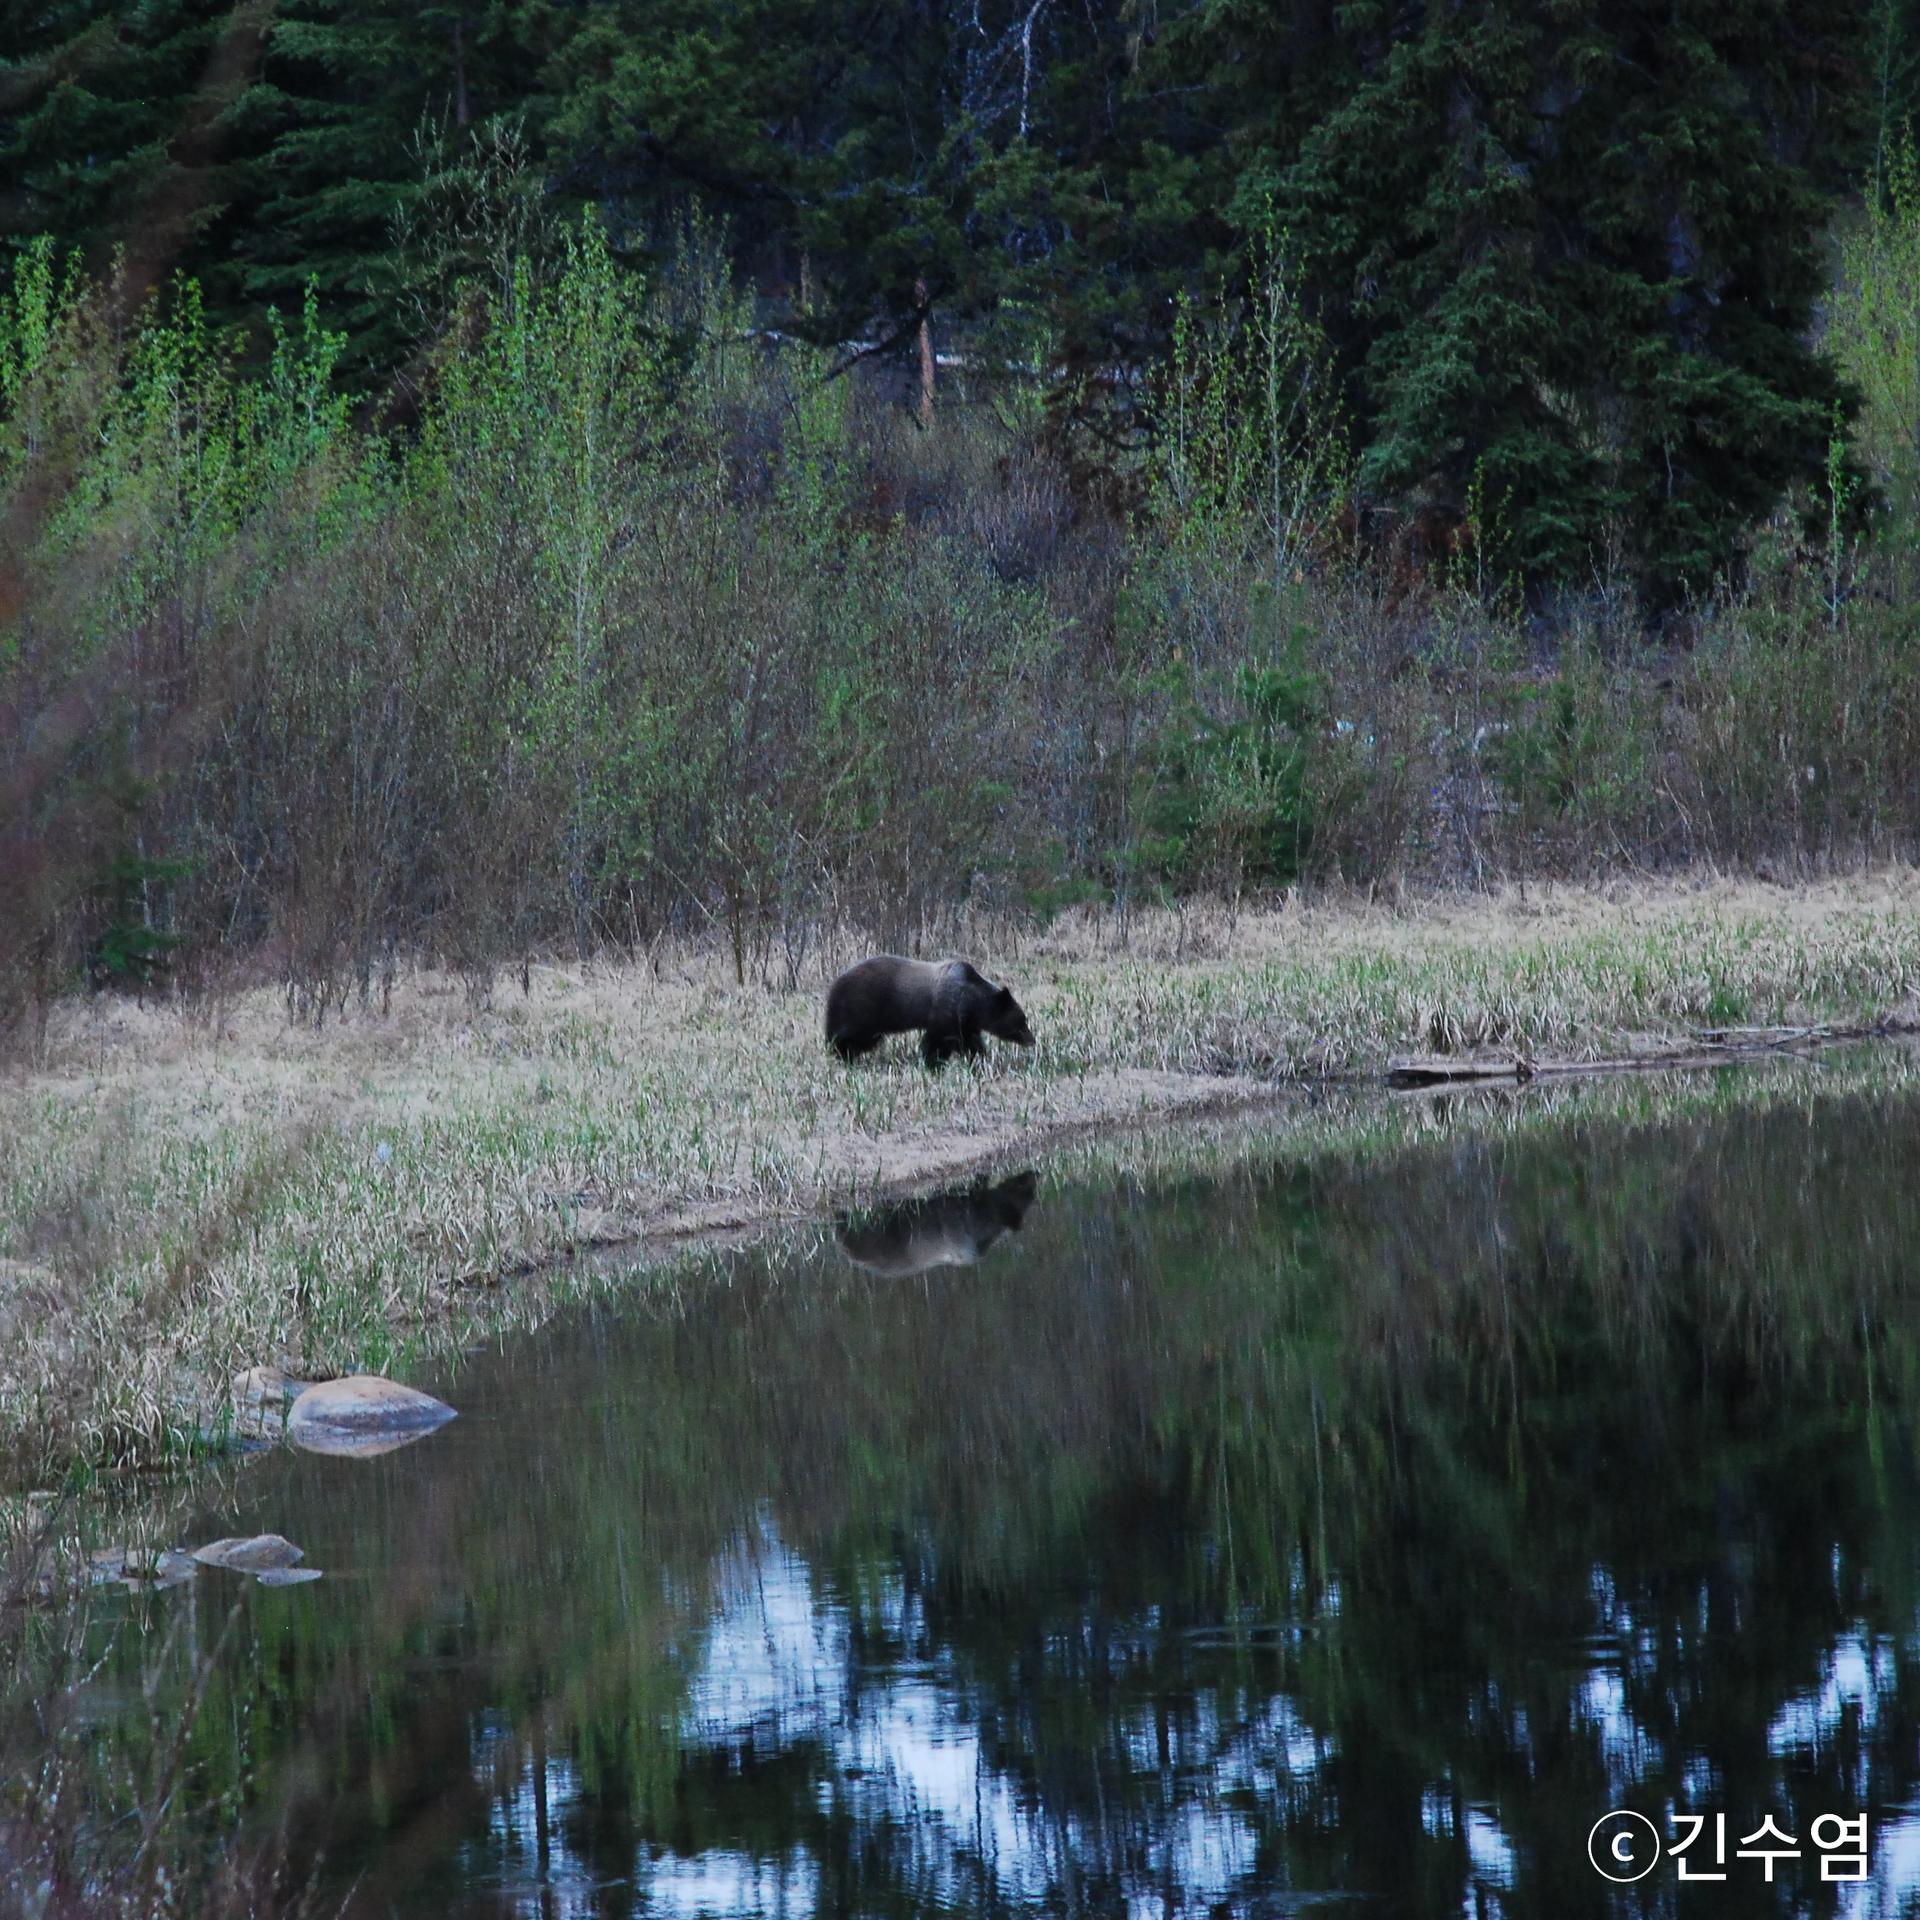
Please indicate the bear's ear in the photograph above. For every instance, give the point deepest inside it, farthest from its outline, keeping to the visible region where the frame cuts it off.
(1003, 1000)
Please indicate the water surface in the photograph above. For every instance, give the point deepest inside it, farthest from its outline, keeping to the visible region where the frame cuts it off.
(1336, 1532)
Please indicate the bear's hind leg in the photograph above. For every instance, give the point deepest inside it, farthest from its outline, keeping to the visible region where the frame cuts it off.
(852, 1046)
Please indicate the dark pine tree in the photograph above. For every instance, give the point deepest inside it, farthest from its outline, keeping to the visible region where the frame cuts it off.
(1892, 59)
(114, 124)
(1000, 164)
(1572, 255)
(360, 110)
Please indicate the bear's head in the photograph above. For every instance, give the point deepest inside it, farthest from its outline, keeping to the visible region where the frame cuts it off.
(1005, 1021)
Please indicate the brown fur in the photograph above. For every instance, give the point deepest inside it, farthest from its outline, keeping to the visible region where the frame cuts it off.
(949, 1002)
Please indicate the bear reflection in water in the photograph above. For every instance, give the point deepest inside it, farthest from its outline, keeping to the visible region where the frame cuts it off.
(944, 1230)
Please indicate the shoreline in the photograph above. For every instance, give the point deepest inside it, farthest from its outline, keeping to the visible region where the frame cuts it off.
(193, 1189)
(1209, 1097)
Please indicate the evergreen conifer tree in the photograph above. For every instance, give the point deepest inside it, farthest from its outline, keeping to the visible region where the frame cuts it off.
(1572, 255)
(110, 131)
(360, 103)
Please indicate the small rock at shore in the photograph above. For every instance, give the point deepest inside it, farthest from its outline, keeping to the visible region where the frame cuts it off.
(256, 1553)
(363, 1414)
(259, 1397)
(264, 1387)
(287, 1576)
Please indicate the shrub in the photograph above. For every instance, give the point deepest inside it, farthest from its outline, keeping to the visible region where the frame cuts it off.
(1229, 799)
(637, 625)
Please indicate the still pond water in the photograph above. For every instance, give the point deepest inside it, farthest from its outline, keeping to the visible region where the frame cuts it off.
(1270, 1532)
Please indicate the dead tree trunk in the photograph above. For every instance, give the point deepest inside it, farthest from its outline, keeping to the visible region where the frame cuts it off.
(926, 353)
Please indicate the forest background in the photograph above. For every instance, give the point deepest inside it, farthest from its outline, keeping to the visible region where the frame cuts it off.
(477, 481)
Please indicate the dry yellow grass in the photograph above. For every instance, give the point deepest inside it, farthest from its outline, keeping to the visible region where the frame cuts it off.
(186, 1190)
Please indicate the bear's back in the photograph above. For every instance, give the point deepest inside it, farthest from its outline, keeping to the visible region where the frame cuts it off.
(883, 994)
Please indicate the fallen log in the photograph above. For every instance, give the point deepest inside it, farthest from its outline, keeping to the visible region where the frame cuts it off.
(1708, 1047)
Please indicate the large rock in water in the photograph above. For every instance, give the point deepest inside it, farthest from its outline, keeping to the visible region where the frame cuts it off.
(259, 1553)
(363, 1414)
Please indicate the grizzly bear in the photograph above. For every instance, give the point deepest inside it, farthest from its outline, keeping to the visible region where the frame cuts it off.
(952, 1229)
(948, 1001)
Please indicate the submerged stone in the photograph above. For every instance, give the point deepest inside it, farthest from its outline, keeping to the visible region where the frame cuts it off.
(287, 1576)
(256, 1553)
(363, 1414)
(140, 1567)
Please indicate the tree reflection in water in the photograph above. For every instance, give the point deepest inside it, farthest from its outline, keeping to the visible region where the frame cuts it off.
(1354, 1529)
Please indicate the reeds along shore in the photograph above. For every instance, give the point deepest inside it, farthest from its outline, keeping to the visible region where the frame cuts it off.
(188, 1188)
